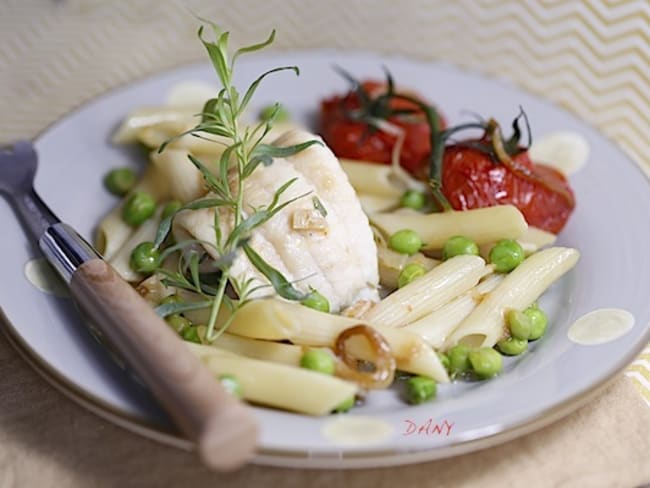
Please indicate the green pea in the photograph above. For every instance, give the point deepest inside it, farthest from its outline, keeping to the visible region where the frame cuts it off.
(316, 301)
(519, 324)
(512, 346)
(405, 241)
(506, 255)
(458, 359)
(145, 258)
(345, 405)
(413, 199)
(191, 334)
(232, 385)
(420, 389)
(318, 360)
(139, 207)
(409, 273)
(282, 114)
(486, 362)
(444, 360)
(119, 181)
(539, 322)
(170, 208)
(177, 322)
(459, 245)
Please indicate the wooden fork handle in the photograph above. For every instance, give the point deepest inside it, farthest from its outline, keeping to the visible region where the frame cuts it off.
(222, 427)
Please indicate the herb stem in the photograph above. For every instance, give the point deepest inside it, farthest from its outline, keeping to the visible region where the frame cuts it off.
(216, 306)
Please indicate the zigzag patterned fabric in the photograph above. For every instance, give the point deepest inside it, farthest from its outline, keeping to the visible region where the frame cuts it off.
(592, 56)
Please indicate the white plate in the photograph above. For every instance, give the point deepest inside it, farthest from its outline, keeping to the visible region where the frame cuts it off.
(609, 226)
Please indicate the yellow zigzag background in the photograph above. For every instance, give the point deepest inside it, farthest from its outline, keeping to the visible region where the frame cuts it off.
(592, 57)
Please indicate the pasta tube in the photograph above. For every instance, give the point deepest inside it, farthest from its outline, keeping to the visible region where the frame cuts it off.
(174, 118)
(420, 297)
(112, 231)
(482, 225)
(377, 203)
(435, 327)
(276, 352)
(532, 241)
(274, 319)
(278, 385)
(391, 264)
(373, 179)
(185, 179)
(525, 284)
(208, 145)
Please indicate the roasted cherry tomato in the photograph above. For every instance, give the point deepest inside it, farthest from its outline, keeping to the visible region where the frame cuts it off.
(351, 138)
(472, 178)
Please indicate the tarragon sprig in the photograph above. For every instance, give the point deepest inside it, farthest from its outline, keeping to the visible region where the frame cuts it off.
(244, 152)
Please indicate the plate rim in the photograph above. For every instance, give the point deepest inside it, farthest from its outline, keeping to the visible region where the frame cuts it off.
(321, 460)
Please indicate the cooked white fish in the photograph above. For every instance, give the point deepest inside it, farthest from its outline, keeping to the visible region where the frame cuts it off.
(322, 240)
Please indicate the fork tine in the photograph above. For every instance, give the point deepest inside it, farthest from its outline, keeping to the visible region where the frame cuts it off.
(25, 149)
(19, 151)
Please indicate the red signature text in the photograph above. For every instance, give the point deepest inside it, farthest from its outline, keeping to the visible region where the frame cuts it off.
(427, 427)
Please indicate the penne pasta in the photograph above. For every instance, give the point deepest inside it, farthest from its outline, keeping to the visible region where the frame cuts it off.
(208, 145)
(278, 320)
(275, 352)
(377, 203)
(174, 118)
(112, 232)
(537, 237)
(435, 327)
(432, 290)
(391, 264)
(174, 166)
(482, 225)
(373, 179)
(278, 385)
(532, 241)
(485, 325)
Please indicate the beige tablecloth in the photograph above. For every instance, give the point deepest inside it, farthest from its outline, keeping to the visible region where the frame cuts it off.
(589, 56)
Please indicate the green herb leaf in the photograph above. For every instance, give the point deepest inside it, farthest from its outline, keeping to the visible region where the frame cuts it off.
(253, 87)
(318, 205)
(218, 55)
(171, 308)
(282, 151)
(254, 47)
(184, 245)
(221, 188)
(255, 162)
(166, 224)
(224, 167)
(281, 285)
(194, 270)
(209, 110)
(261, 216)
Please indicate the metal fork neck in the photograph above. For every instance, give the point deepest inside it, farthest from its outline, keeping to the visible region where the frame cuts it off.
(34, 214)
(65, 249)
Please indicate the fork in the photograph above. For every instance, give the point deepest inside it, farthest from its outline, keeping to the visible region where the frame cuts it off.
(222, 427)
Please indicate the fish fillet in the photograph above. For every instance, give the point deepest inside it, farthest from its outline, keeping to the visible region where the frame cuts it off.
(331, 251)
